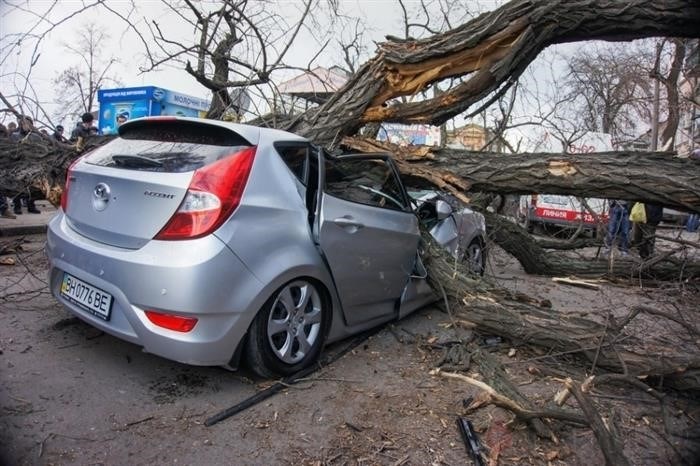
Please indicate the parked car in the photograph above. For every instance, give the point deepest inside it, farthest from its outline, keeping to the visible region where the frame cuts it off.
(206, 242)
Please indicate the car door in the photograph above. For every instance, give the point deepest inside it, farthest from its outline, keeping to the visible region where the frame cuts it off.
(367, 233)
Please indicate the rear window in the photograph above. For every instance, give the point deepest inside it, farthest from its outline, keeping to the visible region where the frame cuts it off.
(170, 147)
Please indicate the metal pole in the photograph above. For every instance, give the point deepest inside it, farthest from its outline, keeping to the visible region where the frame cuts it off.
(655, 109)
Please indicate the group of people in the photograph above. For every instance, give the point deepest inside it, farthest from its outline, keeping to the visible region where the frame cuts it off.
(620, 217)
(643, 232)
(24, 130)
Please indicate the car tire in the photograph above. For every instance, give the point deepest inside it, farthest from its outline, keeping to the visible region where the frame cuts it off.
(288, 333)
(474, 256)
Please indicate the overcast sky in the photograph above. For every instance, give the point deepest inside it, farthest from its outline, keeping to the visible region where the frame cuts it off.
(381, 17)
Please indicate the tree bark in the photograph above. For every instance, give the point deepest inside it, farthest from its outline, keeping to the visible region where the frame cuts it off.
(668, 135)
(656, 178)
(491, 50)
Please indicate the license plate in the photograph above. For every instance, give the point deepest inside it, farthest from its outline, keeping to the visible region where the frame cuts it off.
(90, 298)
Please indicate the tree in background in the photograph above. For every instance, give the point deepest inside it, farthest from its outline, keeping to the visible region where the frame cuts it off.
(237, 44)
(610, 90)
(77, 86)
(670, 83)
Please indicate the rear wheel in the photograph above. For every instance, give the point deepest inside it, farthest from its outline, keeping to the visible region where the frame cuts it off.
(288, 333)
(474, 257)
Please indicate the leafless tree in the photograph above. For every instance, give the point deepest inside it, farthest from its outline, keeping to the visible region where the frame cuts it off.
(670, 83)
(610, 88)
(237, 43)
(76, 86)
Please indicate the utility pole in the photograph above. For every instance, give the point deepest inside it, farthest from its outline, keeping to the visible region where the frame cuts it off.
(655, 108)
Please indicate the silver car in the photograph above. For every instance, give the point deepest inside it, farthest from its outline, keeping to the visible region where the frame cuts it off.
(206, 242)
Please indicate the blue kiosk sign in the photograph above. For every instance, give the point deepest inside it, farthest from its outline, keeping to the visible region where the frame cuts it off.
(120, 105)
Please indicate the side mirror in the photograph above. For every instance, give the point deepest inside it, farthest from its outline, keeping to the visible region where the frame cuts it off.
(443, 209)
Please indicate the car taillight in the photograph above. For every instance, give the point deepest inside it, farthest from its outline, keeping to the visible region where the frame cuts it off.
(64, 193)
(171, 321)
(213, 194)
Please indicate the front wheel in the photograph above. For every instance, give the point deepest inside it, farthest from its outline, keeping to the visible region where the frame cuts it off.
(288, 333)
(475, 257)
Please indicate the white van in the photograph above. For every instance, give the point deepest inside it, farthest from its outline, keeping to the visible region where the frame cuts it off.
(560, 210)
(565, 211)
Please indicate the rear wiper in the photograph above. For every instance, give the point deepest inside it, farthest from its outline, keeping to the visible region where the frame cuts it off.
(135, 161)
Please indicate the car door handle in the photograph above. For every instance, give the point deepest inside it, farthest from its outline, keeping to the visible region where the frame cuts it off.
(348, 222)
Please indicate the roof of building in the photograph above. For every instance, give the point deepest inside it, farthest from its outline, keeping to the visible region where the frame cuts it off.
(316, 85)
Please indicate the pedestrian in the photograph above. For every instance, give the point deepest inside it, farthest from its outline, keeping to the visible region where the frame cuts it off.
(644, 234)
(84, 128)
(25, 132)
(693, 223)
(12, 127)
(693, 219)
(4, 209)
(58, 134)
(618, 226)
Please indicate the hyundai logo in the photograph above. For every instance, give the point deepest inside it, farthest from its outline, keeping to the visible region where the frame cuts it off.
(100, 197)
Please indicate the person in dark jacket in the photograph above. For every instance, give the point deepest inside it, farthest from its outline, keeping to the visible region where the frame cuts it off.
(84, 128)
(58, 134)
(644, 234)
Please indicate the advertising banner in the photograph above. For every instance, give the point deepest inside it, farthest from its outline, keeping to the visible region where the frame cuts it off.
(409, 134)
(120, 105)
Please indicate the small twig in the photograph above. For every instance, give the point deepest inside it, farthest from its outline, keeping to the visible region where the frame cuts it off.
(133, 423)
(327, 379)
(600, 343)
(354, 427)
(449, 313)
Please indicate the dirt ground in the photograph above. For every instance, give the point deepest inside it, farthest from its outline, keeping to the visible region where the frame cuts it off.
(70, 394)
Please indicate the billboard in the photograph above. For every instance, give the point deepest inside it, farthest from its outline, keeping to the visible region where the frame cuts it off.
(404, 135)
(120, 105)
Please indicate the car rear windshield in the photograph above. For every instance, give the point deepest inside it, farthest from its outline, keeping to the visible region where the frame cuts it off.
(170, 147)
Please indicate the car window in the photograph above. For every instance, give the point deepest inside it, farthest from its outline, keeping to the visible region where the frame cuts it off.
(295, 157)
(168, 147)
(555, 199)
(366, 181)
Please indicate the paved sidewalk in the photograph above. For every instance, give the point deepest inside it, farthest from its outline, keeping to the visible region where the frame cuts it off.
(28, 224)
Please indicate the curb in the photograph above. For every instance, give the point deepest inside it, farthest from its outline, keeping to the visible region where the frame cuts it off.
(21, 230)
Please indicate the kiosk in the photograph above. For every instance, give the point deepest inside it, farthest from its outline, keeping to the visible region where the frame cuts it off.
(120, 105)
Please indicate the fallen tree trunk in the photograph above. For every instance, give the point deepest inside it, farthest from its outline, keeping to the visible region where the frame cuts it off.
(656, 178)
(536, 260)
(611, 346)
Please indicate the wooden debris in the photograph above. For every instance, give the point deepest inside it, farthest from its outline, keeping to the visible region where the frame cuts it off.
(7, 261)
(576, 282)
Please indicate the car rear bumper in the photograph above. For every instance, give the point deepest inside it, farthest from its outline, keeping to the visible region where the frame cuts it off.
(200, 278)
